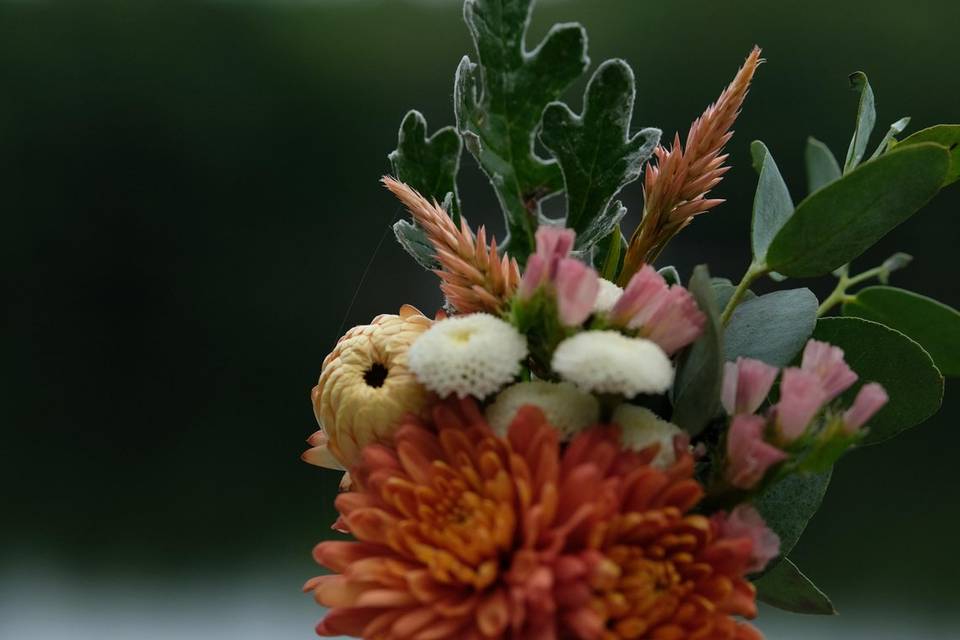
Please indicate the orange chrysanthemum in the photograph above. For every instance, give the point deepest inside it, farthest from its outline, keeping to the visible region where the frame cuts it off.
(463, 534)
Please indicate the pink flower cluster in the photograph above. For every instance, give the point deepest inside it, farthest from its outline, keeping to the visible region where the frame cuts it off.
(745, 522)
(667, 315)
(804, 392)
(575, 284)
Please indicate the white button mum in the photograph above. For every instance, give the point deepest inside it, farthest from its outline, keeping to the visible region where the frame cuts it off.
(641, 428)
(610, 362)
(472, 355)
(607, 296)
(566, 407)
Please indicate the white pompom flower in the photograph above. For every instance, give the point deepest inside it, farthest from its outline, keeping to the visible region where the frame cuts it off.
(607, 296)
(641, 428)
(472, 355)
(567, 408)
(610, 362)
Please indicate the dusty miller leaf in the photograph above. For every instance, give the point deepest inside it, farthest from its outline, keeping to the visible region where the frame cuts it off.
(499, 101)
(596, 153)
(428, 164)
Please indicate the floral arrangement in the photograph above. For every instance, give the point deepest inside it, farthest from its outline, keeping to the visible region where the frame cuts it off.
(577, 445)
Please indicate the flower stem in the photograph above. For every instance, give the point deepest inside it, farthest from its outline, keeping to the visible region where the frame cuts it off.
(839, 293)
(754, 271)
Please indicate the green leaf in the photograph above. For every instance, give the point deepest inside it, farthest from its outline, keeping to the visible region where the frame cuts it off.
(880, 354)
(772, 328)
(788, 505)
(934, 325)
(772, 206)
(895, 129)
(785, 587)
(499, 101)
(671, 275)
(609, 254)
(822, 166)
(595, 150)
(723, 290)
(839, 222)
(947, 135)
(866, 118)
(700, 372)
(414, 241)
(428, 164)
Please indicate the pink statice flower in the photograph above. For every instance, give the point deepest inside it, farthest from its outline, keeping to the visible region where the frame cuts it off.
(575, 284)
(801, 397)
(870, 399)
(667, 315)
(827, 363)
(749, 456)
(746, 384)
(745, 522)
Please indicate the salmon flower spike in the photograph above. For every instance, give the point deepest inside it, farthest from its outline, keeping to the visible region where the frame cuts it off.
(464, 534)
(675, 188)
(474, 277)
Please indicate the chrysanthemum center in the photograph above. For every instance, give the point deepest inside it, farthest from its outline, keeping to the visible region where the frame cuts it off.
(376, 375)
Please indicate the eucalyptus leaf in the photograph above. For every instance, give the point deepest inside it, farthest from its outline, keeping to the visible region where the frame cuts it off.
(772, 205)
(895, 129)
(947, 135)
(785, 587)
(723, 290)
(934, 325)
(866, 119)
(428, 164)
(878, 353)
(839, 222)
(822, 166)
(788, 505)
(772, 328)
(499, 100)
(595, 150)
(700, 372)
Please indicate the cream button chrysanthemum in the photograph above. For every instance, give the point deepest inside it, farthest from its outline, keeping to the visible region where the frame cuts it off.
(641, 428)
(607, 297)
(610, 362)
(472, 355)
(365, 387)
(567, 409)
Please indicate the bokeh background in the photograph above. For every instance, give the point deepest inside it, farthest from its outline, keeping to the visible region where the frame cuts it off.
(191, 217)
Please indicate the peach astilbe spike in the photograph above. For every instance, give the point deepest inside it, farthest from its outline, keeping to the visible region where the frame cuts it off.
(474, 277)
(462, 534)
(675, 188)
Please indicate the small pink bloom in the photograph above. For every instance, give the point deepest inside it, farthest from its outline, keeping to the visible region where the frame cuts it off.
(745, 522)
(748, 455)
(554, 243)
(577, 286)
(534, 276)
(869, 400)
(801, 397)
(746, 384)
(826, 361)
(668, 316)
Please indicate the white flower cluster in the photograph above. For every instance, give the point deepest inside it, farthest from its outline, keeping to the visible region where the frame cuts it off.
(607, 296)
(610, 362)
(566, 408)
(641, 428)
(471, 355)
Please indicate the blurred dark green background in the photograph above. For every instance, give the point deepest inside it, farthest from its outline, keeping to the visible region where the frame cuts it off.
(190, 199)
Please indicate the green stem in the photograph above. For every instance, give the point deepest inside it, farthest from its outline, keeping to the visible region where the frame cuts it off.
(754, 271)
(839, 293)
